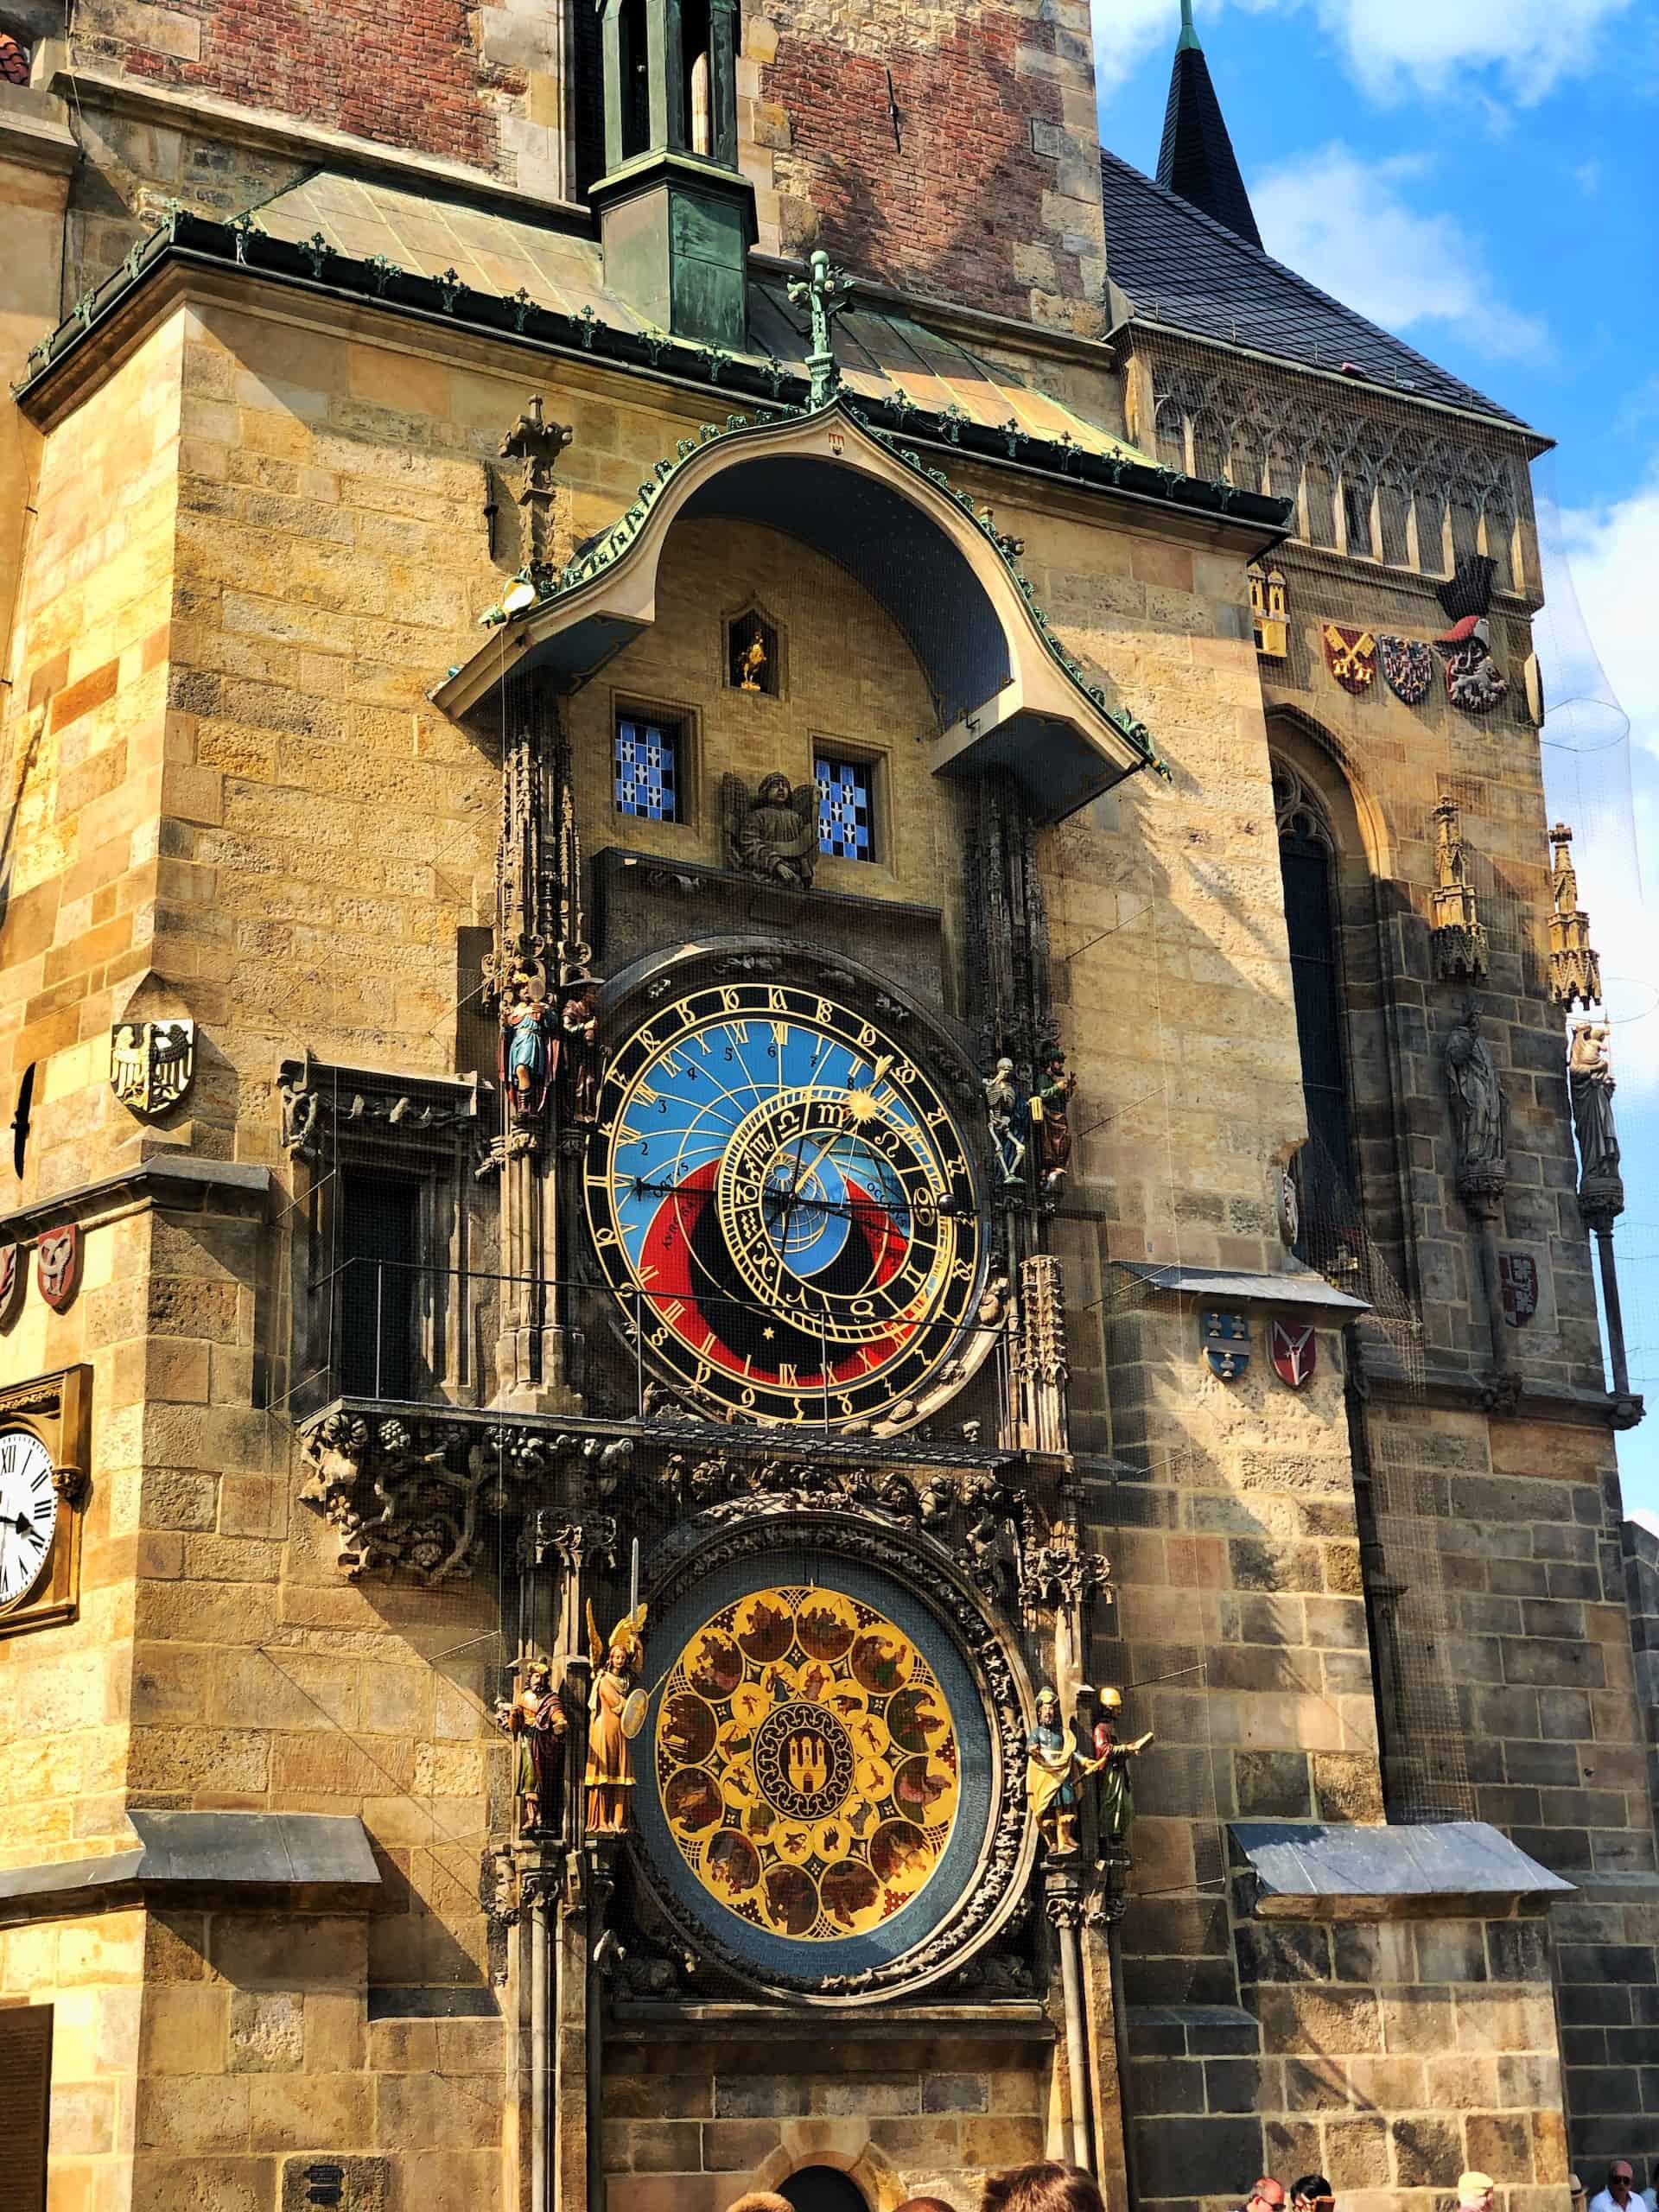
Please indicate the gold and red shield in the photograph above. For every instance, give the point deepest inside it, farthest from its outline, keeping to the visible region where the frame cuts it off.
(1350, 656)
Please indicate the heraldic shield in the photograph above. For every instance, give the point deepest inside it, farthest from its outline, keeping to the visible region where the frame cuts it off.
(1294, 1349)
(151, 1064)
(14, 1274)
(1407, 668)
(1517, 1282)
(57, 1265)
(1351, 655)
(1227, 1344)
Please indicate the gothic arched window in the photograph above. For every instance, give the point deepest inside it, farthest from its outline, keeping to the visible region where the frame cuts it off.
(1307, 860)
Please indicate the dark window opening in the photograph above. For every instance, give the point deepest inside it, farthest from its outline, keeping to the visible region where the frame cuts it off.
(1394, 514)
(821, 2189)
(752, 654)
(648, 750)
(1321, 504)
(846, 807)
(636, 85)
(25, 2099)
(379, 1248)
(1356, 515)
(587, 102)
(1326, 1170)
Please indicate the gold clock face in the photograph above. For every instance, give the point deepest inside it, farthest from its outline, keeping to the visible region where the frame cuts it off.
(806, 1764)
(782, 1203)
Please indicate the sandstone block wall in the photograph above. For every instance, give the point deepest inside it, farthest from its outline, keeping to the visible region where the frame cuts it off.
(690, 2131)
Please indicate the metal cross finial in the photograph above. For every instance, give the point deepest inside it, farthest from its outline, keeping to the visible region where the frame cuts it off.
(1189, 37)
(825, 291)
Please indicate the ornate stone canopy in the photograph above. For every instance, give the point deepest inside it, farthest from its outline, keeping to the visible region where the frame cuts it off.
(1008, 693)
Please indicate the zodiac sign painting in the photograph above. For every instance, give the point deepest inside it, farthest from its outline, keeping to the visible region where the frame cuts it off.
(807, 1763)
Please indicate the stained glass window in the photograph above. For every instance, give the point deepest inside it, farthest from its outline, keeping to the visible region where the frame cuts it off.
(846, 808)
(648, 768)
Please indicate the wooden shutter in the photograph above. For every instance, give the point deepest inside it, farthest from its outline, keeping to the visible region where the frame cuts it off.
(25, 2097)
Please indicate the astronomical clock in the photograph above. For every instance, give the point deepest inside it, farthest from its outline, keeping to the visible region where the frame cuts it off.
(785, 1193)
(785, 1208)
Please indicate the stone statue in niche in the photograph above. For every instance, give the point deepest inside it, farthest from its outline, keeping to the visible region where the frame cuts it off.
(524, 1044)
(1051, 1114)
(1115, 1808)
(579, 1043)
(774, 835)
(1590, 1085)
(1001, 1104)
(616, 1712)
(1480, 1115)
(535, 1720)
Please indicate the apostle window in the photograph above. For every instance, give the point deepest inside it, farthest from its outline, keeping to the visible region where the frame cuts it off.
(649, 758)
(846, 807)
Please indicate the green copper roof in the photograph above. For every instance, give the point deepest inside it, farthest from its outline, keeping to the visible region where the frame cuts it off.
(1188, 40)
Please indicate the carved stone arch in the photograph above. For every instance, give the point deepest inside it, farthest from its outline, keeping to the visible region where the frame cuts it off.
(1316, 758)
(843, 2144)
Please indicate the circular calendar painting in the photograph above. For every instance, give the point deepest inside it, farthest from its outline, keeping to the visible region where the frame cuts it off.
(819, 1771)
(808, 1765)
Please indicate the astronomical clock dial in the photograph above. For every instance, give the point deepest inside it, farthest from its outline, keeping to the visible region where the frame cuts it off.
(781, 1200)
(28, 1513)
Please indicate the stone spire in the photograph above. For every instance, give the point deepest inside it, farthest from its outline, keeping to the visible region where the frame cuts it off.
(1197, 158)
(1574, 970)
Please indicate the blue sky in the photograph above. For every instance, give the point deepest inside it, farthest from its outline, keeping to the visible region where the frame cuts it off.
(1482, 176)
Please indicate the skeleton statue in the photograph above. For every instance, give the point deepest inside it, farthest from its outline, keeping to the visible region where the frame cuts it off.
(1001, 1105)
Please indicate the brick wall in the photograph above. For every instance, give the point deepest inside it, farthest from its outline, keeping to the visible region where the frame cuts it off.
(991, 195)
(410, 75)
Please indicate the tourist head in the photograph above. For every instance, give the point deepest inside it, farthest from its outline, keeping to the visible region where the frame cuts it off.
(1475, 2192)
(1045, 2187)
(925, 2204)
(1621, 2181)
(761, 2199)
(1313, 2193)
(1268, 2196)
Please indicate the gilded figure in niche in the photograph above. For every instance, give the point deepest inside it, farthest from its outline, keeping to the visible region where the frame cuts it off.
(1054, 1772)
(615, 1715)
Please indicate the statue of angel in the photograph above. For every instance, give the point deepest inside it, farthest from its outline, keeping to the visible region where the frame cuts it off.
(775, 835)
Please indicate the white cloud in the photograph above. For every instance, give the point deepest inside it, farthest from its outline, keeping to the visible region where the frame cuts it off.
(1601, 659)
(1347, 225)
(1483, 50)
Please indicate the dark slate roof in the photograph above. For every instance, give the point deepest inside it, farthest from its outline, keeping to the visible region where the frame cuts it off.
(1182, 269)
(1197, 158)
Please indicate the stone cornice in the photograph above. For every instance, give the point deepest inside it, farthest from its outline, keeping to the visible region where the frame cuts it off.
(169, 1183)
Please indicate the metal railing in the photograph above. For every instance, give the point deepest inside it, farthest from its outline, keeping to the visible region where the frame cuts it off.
(405, 1332)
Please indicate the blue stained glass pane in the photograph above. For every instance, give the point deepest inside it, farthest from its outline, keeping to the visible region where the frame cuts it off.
(846, 814)
(647, 769)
